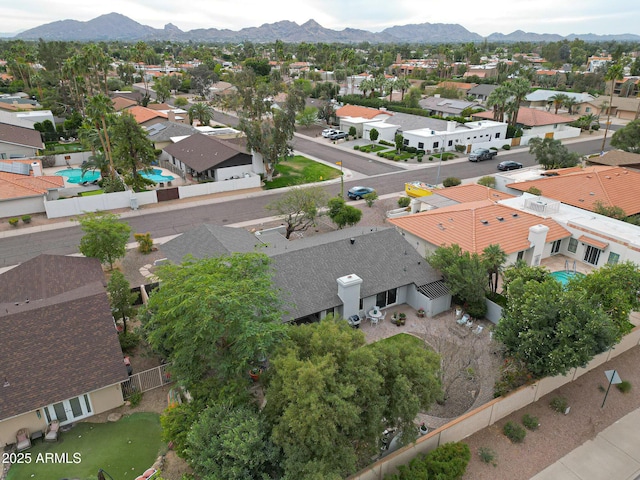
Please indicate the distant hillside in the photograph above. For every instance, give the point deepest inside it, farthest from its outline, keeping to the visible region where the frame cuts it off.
(114, 26)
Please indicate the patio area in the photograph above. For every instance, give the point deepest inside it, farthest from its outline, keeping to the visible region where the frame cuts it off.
(561, 262)
(470, 363)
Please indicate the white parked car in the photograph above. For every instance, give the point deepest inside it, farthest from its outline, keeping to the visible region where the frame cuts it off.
(327, 132)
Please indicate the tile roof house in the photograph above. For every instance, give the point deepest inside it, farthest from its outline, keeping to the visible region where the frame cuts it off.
(207, 156)
(162, 134)
(60, 356)
(476, 225)
(357, 116)
(314, 273)
(146, 116)
(612, 186)
(539, 123)
(621, 107)
(541, 98)
(19, 142)
(122, 103)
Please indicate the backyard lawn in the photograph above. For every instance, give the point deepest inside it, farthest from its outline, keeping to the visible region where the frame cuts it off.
(299, 170)
(124, 449)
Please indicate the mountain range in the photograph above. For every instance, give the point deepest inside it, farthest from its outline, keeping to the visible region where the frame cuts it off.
(117, 27)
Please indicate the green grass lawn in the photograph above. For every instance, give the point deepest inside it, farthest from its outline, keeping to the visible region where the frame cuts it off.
(90, 193)
(372, 148)
(403, 339)
(124, 449)
(64, 147)
(299, 170)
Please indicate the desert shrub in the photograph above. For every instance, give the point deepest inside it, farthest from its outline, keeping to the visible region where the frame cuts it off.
(145, 242)
(487, 181)
(460, 148)
(26, 218)
(559, 404)
(530, 422)
(404, 202)
(128, 341)
(487, 455)
(385, 142)
(370, 198)
(135, 398)
(514, 432)
(430, 158)
(451, 182)
(448, 461)
(513, 374)
(356, 147)
(420, 158)
(595, 126)
(506, 147)
(14, 222)
(534, 191)
(624, 386)
(352, 131)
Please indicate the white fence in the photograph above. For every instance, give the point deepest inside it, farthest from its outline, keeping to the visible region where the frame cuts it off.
(252, 181)
(488, 414)
(109, 201)
(146, 380)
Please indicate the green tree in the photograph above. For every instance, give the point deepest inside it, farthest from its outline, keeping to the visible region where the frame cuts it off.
(399, 141)
(552, 329)
(214, 317)
(342, 214)
(550, 153)
(307, 117)
(330, 397)
(299, 208)
(488, 181)
(202, 78)
(162, 87)
(105, 237)
(373, 134)
(609, 210)
(132, 151)
(403, 85)
(558, 100)
(202, 112)
(465, 274)
(121, 297)
(231, 443)
(370, 198)
(628, 137)
(100, 114)
(447, 462)
(517, 89)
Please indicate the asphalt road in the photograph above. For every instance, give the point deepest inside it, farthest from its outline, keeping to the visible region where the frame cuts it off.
(14, 250)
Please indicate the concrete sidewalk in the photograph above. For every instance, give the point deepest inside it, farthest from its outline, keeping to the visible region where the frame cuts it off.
(613, 455)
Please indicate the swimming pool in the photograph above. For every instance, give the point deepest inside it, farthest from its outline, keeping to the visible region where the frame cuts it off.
(75, 175)
(157, 176)
(564, 276)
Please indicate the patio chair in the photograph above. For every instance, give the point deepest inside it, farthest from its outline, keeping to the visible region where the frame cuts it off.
(478, 330)
(384, 315)
(23, 439)
(463, 319)
(374, 320)
(51, 434)
(469, 324)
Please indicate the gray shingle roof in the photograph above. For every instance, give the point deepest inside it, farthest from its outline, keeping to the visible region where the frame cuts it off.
(60, 344)
(20, 136)
(203, 152)
(306, 269)
(164, 131)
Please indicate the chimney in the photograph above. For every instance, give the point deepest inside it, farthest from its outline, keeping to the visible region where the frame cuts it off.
(37, 169)
(349, 293)
(171, 115)
(537, 239)
(451, 126)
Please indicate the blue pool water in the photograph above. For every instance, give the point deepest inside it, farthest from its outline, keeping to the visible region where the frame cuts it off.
(74, 175)
(157, 176)
(564, 276)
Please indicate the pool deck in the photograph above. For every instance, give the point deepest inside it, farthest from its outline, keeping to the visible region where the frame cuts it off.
(557, 262)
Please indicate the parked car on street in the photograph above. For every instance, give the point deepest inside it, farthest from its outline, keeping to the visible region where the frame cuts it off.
(509, 165)
(480, 154)
(357, 193)
(328, 131)
(338, 134)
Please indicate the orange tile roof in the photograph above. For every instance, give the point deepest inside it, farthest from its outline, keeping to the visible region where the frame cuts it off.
(15, 186)
(613, 186)
(120, 103)
(593, 242)
(532, 117)
(472, 192)
(143, 114)
(358, 111)
(458, 85)
(476, 225)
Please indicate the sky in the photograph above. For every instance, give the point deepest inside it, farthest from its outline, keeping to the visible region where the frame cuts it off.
(483, 17)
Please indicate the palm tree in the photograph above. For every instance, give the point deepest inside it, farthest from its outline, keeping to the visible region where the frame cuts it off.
(498, 101)
(569, 103)
(99, 112)
(493, 258)
(403, 85)
(202, 112)
(365, 86)
(559, 100)
(615, 72)
(518, 88)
